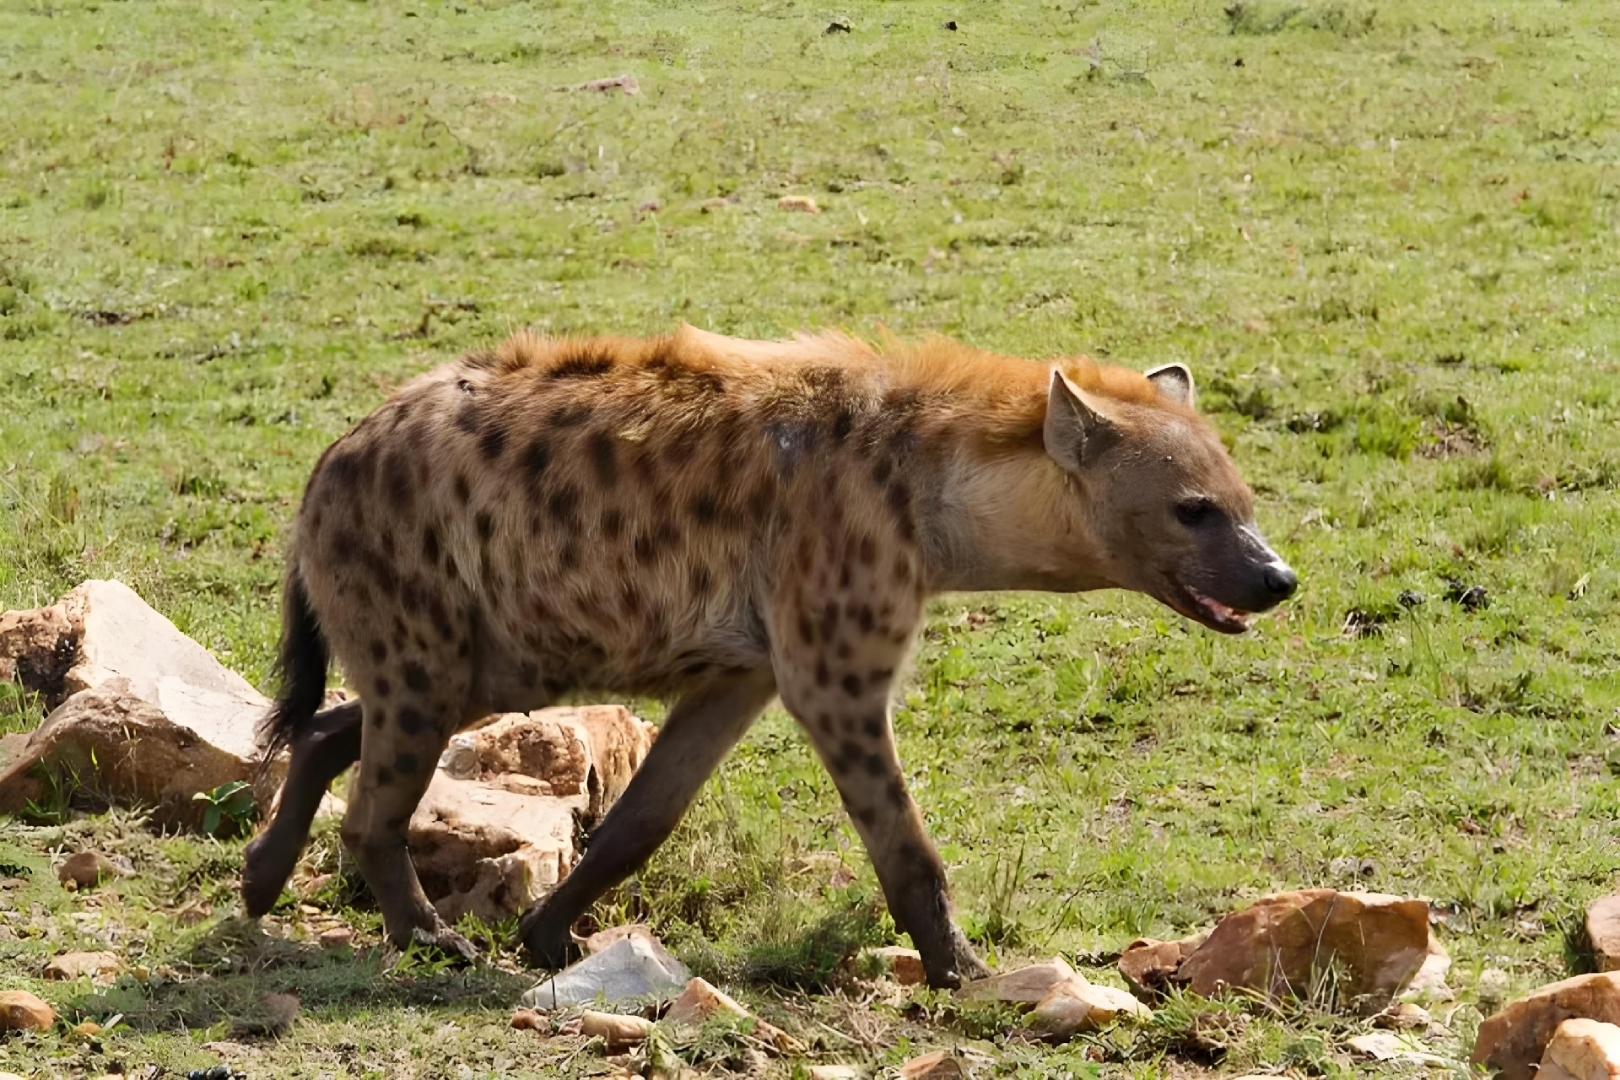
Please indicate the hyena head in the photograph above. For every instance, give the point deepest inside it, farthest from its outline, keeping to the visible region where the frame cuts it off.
(1165, 503)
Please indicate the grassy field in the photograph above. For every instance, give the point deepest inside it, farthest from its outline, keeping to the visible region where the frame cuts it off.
(1386, 238)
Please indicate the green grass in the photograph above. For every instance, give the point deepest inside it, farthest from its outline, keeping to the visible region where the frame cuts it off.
(1383, 236)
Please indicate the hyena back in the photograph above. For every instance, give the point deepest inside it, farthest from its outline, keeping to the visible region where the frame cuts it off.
(717, 522)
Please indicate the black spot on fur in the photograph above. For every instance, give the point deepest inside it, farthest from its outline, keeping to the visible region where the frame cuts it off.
(882, 471)
(585, 364)
(397, 483)
(385, 777)
(873, 728)
(705, 508)
(405, 763)
(563, 506)
(492, 440)
(612, 523)
(896, 792)
(875, 764)
(569, 414)
(413, 721)
(865, 618)
(430, 545)
(604, 457)
(702, 581)
(417, 678)
(486, 526)
(867, 551)
(852, 685)
(807, 629)
(823, 676)
(535, 459)
(382, 686)
(843, 423)
(463, 489)
(568, 557)
(379, 650)
(829, 620)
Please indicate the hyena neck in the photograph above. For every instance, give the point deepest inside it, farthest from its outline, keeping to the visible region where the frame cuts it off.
(1007, 519)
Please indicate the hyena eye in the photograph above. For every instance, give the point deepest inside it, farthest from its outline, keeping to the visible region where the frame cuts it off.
(1191, 512)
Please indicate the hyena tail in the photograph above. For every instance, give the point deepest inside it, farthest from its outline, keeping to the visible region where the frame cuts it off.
(301, 667)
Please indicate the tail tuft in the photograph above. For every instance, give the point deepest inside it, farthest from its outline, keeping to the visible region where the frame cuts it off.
(301, 667)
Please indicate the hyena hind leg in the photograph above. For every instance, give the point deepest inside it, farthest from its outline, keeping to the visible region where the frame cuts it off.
(320, 753)
(701, 728)
(400, 748)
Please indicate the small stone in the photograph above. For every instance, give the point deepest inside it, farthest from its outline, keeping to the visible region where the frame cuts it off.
(1603, 927)
(89, 1029)
(940, 1065)
(1388, 1046)
(22, 1011)
(1582, 1049)
(1149, 965)
(803, 204)
(904, 965)
(1403, 1016)
(633, 966)
(821, 1072)
(336, 937)
(101, 968)
(528, 1020)
(701, 1002)
(85, 870)
(617, 1031)
(1492, 986)
(1512, 1042)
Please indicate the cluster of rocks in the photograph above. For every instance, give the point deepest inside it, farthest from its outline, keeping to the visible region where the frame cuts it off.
(142, 715)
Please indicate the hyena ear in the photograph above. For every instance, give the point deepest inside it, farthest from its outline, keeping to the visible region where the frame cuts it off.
(1075, 433)
(1174, 382)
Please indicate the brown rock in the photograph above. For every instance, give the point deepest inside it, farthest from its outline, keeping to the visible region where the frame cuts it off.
(100, 967)
(85, 870)
(122, 749)
(701, 1002)
(904, 965)
(528, 1020)
(815, 1072)
(803, 204)
(22, 1011)
(1582, 1049)
(273, 1016)
(495, 831)
(1149, 965)
(940, 1065)
(1283, 944)
(37, 647)
(1603, 927)
(1512, 1042)
(1026, 985)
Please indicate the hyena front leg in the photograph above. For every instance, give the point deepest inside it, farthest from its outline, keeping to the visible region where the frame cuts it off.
(843, 704)
(701, 728)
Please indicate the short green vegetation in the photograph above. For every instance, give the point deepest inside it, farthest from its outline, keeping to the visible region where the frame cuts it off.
(1385, 237)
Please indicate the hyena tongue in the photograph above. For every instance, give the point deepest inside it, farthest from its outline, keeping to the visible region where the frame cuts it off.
(1219, 616)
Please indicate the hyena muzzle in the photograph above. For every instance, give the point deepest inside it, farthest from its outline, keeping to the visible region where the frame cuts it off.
(719, 523)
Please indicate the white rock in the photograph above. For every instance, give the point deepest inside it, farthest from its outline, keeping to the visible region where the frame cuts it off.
(1582, 1049)
(631, 967)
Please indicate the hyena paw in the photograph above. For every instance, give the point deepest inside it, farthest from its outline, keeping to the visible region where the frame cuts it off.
(445, 940)
(550, 946)
(968, 964)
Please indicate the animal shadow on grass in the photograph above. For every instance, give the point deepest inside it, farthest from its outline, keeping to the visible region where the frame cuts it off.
(222, 975)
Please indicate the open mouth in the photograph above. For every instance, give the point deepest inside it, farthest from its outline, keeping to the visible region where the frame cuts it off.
(1210, 611)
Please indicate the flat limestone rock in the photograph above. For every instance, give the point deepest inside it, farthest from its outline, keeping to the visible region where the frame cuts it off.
(1077, 1005)
(701, 1002)
(1282, 944)
(99, 967)
(22, 1011)
(1022, 986)
(1603, 927)
(1511, 1043)
(1582, 1049)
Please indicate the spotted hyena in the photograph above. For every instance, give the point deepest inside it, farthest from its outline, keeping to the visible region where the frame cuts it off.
(720, 523)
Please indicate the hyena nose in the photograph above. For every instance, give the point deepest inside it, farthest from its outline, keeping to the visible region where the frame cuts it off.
(1281, 580)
